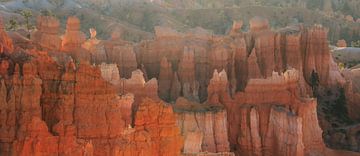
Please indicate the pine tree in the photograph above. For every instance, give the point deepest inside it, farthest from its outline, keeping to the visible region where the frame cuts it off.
(27, 14)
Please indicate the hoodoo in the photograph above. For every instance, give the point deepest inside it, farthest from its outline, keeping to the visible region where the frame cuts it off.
(254, 90)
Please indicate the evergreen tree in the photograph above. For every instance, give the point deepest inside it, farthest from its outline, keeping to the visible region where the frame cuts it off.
(27, 14)
(12, 25)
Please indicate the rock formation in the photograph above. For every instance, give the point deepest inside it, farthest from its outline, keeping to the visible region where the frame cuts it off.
(341, 43)
(260, 120)
(165, 79)
(6, 44)
(139, 87)
(156, 132)
(246, 93)
(95, 47)
(125, 58)
(258, 24)
(47, 33)
(73, 37)
(202, 131)
(186, 71)
(353, 93)
(236, 27)
(317, 56)
(218, 87)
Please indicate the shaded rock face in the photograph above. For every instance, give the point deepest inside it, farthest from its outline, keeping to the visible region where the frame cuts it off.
(240, 94)
(125, 58)
(352, 91)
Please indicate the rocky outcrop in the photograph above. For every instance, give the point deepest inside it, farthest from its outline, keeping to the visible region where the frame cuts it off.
(96, 48)
(47, 33)
(6, 44)
(49, 111)
(236, 28)
(341, 43)
(317, 56)
(73, 37)
(204, 129)
(125, 58)
(110, 73)
(260, 112)
(253, 66)
(352, 93)
(165, 79)
(218, 89)
(265, 49)
(258, 24)
(156, 132)
(186, 71)
(56, 103)
(139, 87)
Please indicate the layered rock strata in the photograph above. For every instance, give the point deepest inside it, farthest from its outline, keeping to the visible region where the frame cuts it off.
(246, 93)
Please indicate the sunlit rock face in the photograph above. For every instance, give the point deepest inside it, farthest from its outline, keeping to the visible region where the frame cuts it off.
(6, 45)
(73, 37)
(181, 93)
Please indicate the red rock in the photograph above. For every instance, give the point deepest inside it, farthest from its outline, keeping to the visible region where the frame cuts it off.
(236, 27)
(155, 125)
(241, 63)
(165, 79)
(293, 51)
(312, 133)
(317, 56)
(186, 71)
(218, 88)
(136, 85)
(253, 66)
(352, 92)
(265, 52)
(53, 105)
(341, 43)
(4, 65)
(175, 89)
(258, 24)
(124, 57)
(47, 33)
(110, 73)
(6, 44)
(219, 57)
(202, 131)
(73, 37)
(37, 140)
(96, 48)
(90, 117)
